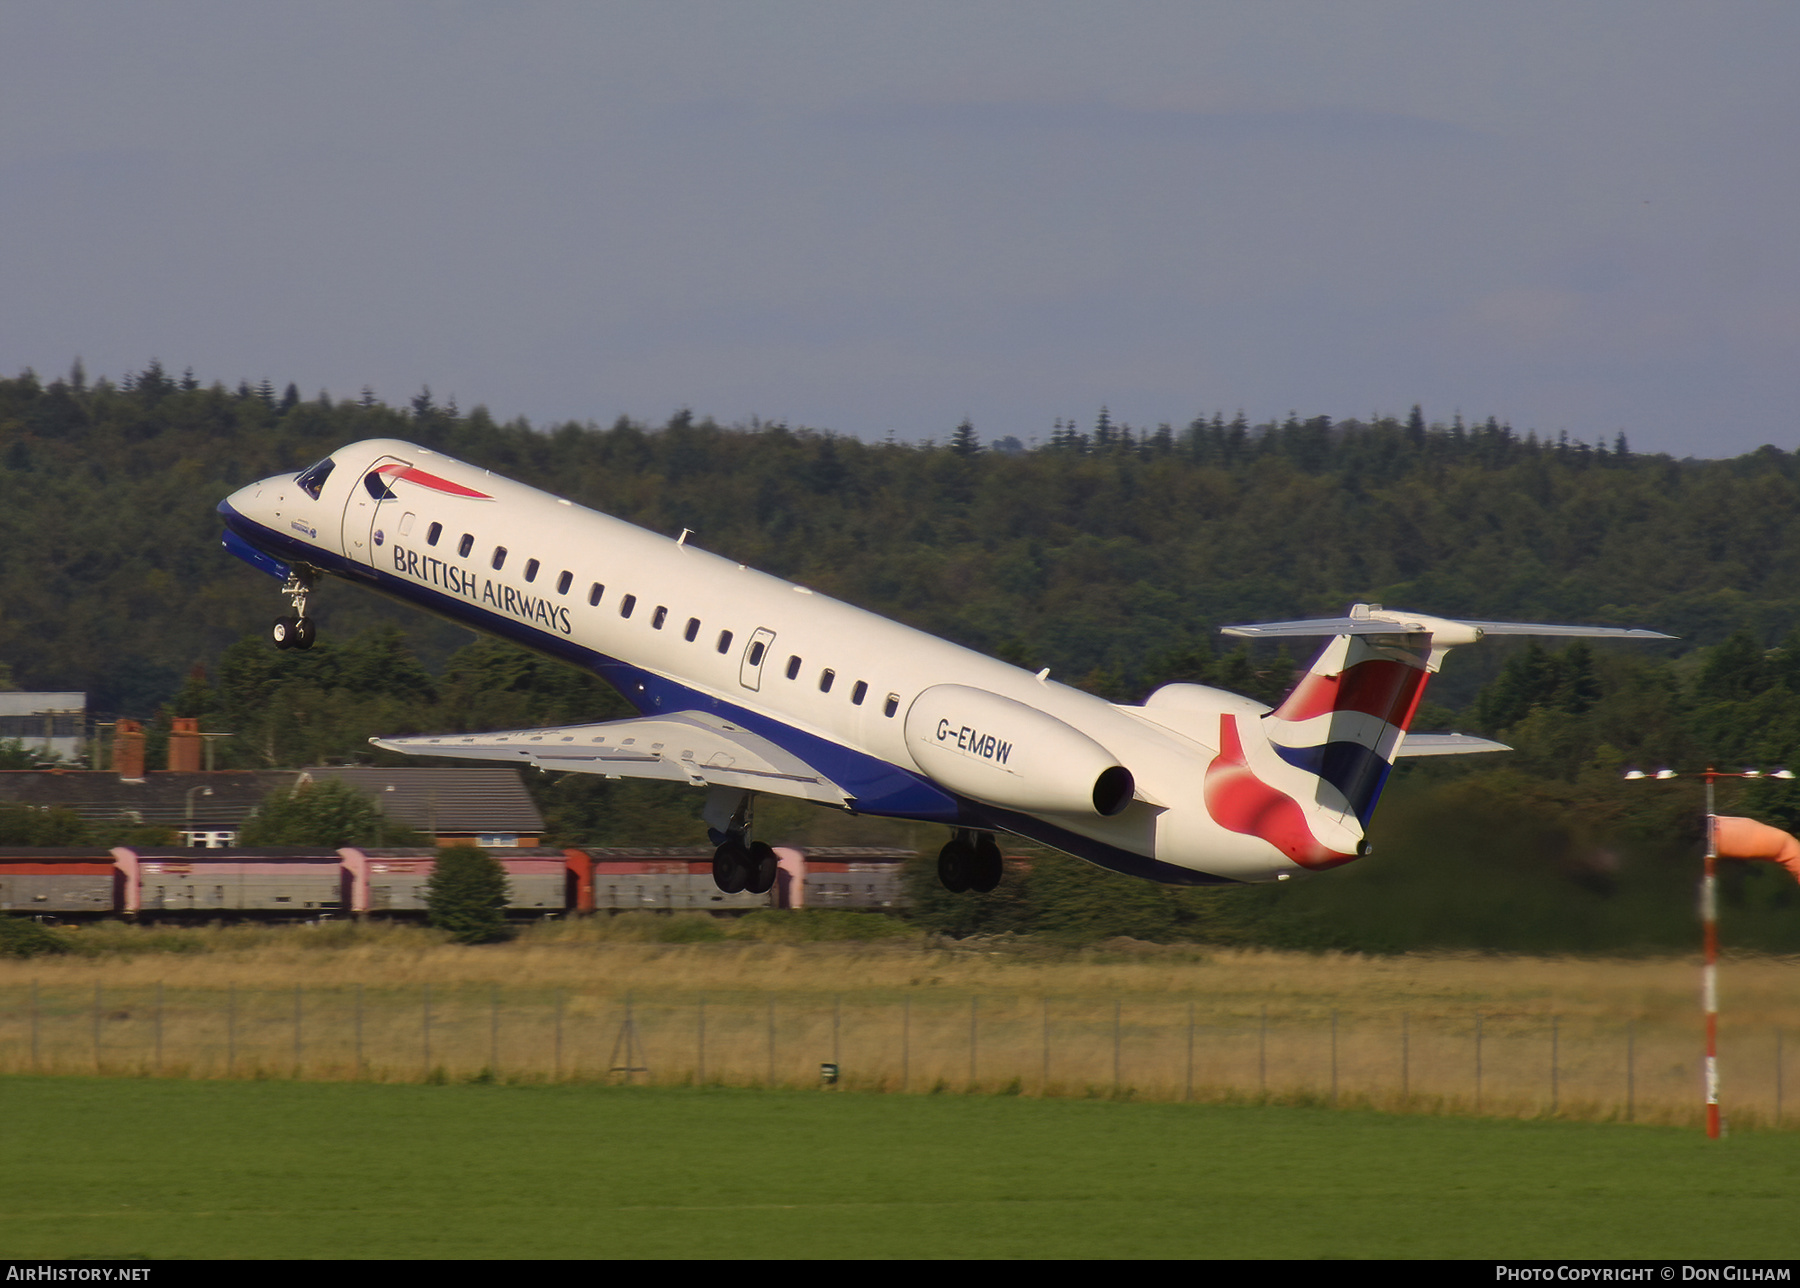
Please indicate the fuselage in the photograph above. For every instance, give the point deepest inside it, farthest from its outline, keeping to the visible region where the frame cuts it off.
(675, 628)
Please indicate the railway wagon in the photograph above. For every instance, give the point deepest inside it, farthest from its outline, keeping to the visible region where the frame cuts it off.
(272, 882)
(385, 881)
(43, 881)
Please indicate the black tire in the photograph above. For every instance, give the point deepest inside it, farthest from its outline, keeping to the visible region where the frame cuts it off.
(955, 862)
(762, 868)
(987, 868)
(731, 867)
(304, 633)
(282, 632)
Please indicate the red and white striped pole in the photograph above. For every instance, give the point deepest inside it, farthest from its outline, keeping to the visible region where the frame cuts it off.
(1709, 919)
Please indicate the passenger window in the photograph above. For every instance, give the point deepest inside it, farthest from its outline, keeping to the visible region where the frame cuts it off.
(626, 605)
(312, 481)
(499, 557)
(562, 582)
(432, 534)
(531, 567)
(892, 705)
(661, 616)
(857, 694)
(594, 593)
(693, 629)
(793, 667)
(465, 545)
(724, 641)
(825, 679)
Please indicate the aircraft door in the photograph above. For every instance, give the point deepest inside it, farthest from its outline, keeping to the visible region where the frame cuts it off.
(755, 654)
(371, 505)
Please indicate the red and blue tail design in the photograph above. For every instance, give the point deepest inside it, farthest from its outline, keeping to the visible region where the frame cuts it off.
(1345, 719)
(1307, 780)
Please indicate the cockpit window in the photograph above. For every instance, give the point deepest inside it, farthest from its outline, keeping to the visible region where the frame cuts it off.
(312, 480)
(378, 487)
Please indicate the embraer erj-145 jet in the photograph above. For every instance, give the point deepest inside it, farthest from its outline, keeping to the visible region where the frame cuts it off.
(749, 684)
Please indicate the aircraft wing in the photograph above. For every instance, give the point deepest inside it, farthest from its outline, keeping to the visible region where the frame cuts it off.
(686, 747)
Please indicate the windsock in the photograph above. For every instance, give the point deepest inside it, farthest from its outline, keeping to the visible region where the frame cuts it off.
(1745, 838)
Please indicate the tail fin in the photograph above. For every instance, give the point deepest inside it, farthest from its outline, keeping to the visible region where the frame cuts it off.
(1346, 720)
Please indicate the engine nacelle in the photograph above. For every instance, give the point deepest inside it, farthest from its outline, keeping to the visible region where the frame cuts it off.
(1002, 752)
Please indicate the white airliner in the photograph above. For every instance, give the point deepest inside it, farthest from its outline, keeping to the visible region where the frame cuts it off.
(746, 684)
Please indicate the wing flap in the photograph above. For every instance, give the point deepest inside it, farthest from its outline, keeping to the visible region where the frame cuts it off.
(687, 747)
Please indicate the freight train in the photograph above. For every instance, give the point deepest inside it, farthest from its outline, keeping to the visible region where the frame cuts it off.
(309, 884)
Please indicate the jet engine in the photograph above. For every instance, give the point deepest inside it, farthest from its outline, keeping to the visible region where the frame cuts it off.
(1002, 752)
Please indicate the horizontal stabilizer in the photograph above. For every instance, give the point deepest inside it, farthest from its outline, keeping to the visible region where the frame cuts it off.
(1446, 744)
(687, 747)
(1373, 619)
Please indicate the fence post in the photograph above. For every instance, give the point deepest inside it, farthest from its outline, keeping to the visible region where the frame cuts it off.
(905, 1040)
(771, 1039)
(299, 1049)
(96, 1028)
(1478, 1062)
(1262, 1055)
(1334, 1077)
(159, 1027)
(1778, 1075)
(425, 1026)
(1555, 1035)
(1045, 1089)
(231, 1031)
(1405, 1060)
(1115, 1046)
(556, 1065)
(974, 1011)
(1630, 1071)
(837, 1033)
(34, 1026)
(1189, 1093)
(494, 1032)
(700, 1045)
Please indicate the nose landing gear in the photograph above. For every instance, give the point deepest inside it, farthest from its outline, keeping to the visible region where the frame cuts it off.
(971, 861)
(295, 630)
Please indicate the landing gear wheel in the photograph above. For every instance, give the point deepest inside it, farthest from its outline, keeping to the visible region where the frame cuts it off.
(987, 869)
(731, 867)
(283, 632)
(304, 634)
(763, 866)
(955, 864)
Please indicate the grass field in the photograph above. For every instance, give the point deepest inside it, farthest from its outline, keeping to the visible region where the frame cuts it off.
(1593, 1039)
(169, 1168)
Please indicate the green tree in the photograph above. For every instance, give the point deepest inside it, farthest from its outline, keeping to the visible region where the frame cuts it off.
(324, 813)
(467, 895)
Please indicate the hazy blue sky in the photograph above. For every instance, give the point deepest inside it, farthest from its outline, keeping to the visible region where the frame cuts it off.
(881, 218)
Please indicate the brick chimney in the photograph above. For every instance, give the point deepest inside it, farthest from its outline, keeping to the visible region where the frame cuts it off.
(184, 744)
(128, 750)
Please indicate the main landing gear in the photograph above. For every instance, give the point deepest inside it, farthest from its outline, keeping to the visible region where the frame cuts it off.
(295, 630)
(738, 865)
(970, 862)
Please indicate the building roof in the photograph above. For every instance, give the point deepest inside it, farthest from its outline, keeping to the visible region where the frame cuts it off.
(438, 801)
(159, 799)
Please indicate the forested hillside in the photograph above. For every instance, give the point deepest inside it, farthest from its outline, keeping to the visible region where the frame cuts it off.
(1109, 553)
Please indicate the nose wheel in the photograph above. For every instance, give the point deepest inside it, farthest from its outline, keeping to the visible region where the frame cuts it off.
(293, 632)
(296, 629)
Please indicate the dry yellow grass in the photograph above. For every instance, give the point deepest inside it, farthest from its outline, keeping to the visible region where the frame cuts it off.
(1505, 1035)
